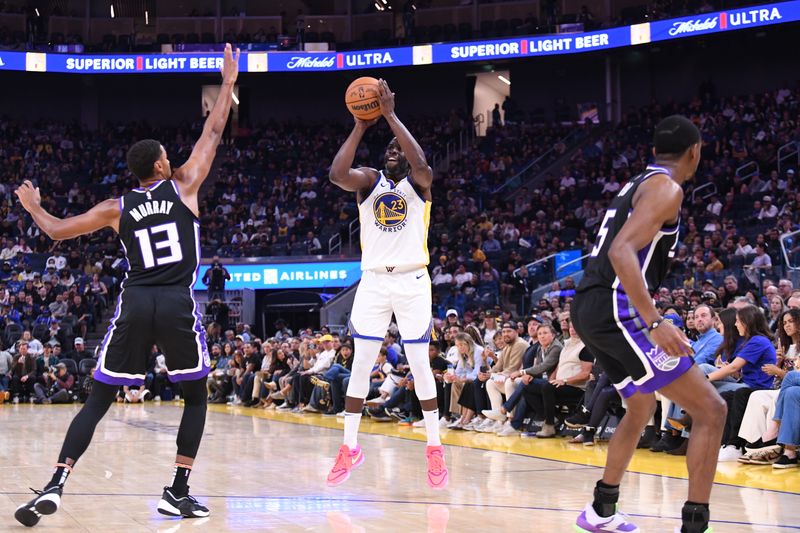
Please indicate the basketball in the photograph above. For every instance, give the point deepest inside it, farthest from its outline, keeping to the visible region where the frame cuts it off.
(362, 98)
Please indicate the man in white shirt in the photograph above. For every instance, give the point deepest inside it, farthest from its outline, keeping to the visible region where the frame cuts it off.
(768, 210)
(57, 260)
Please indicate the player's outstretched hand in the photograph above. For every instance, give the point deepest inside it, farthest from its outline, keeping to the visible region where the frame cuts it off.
(364, 124)
(230, 64)
(386, 98)
(28, 195)
(672, 340)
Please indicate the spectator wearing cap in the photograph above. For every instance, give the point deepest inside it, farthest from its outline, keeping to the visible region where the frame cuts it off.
(768, 212)
(79, 352)
(301, 383)
(499, 381)
(55, 386)
(451, 318)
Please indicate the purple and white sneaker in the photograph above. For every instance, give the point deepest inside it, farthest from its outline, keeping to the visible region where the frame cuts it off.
(590, 522)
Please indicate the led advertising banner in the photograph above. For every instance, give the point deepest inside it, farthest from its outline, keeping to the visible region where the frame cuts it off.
(429, 54)
(288, 275)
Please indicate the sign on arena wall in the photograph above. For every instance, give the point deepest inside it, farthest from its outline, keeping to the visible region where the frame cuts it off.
(429, 54)
(288, 275)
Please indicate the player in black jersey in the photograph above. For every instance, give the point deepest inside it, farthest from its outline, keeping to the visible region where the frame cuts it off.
(614, 313)
(159, 229)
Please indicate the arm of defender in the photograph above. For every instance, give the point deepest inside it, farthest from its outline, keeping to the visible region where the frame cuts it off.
(655, 204)
(341, 174)
(192, 174)
(421, 173)
(105, 214)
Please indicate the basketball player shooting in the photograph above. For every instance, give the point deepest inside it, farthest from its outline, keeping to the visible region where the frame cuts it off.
(394, 209)
(160, 232)
(614, 313)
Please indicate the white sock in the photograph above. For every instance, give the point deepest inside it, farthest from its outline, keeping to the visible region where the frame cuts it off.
(351, 423)
(432, 427)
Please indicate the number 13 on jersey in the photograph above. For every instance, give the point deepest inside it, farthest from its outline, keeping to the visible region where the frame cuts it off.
(148, 247)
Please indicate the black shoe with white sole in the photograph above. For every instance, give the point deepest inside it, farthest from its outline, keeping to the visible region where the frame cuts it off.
(185, 506)
(46, 502)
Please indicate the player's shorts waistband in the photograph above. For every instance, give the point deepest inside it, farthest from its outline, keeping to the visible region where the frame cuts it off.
(402, 269)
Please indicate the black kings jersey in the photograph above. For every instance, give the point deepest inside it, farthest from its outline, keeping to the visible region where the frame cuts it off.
(654, 259)
(160, 235)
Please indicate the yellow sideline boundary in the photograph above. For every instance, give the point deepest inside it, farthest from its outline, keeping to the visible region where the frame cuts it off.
(644, 461)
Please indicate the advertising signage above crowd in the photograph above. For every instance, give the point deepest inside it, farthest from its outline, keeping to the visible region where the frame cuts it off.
(429, 54)
(288, 275)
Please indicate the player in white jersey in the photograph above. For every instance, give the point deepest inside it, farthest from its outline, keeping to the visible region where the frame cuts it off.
(394, 208)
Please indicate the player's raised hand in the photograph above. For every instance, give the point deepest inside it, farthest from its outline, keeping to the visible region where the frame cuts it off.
(28, 195)
(230, 64)
(672, 340)
(386, 98)
(364, 124)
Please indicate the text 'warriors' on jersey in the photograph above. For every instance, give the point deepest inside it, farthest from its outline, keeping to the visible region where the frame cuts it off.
(654, 259)
(160, 236)
(394, 225)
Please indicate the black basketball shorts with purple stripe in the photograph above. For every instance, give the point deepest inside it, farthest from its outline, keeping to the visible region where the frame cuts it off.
(617, 336)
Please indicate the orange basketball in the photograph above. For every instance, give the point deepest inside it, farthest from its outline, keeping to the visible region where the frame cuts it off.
(362, 99)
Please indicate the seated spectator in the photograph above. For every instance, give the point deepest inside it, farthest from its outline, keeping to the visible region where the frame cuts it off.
(470, 360)
(219, 379)
(23, 373)
(787, 416)
(708, 338)
(567, 385)
(6, 366)
(499, 382)
(755, 352)
(335, 376)
(56, 385)
(757, 428)
(79, 353)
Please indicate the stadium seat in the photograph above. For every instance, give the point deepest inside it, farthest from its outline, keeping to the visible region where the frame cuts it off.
(207, 37)
(465, 31)
(192, 38)
(13, 332)
(86, 366)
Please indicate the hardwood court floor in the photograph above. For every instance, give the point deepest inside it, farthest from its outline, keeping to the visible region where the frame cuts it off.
(264, 471)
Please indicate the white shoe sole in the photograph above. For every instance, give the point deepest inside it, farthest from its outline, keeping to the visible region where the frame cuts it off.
(164, 507)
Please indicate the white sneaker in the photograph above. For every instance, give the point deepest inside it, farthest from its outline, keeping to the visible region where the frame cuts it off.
(157, 398)
(177, 398)
(485, 426)
(418, 424)
(494, 415)
(444, 422)
(473, 424)
(507, 431)
(729, 454)
(455, 424)
(492, 427)
(144, 394)
(377, 401)
(340, 414)
(310, 409)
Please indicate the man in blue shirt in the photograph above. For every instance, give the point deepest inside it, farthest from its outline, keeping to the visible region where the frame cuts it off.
(708, 339)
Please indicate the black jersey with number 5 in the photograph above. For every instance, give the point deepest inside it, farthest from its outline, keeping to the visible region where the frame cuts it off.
(654, 259)
(161, 236)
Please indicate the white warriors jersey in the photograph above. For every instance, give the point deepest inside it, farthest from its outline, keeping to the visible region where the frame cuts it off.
(394, 226)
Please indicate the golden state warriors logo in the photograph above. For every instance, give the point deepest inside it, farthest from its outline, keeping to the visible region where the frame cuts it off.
(390, 210)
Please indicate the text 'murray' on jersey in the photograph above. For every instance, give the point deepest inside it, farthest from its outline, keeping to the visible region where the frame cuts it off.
(160, 236)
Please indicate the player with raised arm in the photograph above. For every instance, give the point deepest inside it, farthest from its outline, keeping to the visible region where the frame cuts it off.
(159, 229)
(614, 313)
(394, 209)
